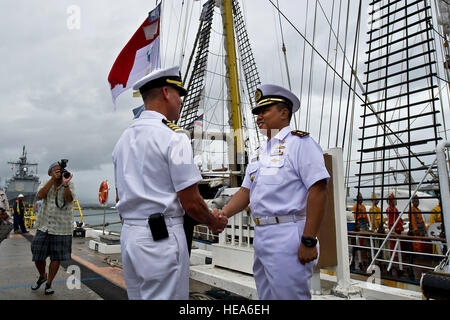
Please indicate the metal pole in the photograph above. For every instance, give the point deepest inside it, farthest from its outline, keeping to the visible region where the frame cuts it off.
(233, 81)
(104, 217)
(444, 187)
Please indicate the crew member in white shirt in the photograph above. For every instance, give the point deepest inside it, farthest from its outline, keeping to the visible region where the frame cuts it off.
(286, 186)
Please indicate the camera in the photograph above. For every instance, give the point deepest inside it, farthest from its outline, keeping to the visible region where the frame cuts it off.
(63, 165)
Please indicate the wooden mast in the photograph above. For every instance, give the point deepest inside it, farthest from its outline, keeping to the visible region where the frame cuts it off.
(233, 85)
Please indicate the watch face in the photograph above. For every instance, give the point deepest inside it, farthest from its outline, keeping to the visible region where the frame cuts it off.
(309, 242)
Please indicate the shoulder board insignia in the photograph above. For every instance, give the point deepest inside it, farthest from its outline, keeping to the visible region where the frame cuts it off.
(300, 133)
(171, 125)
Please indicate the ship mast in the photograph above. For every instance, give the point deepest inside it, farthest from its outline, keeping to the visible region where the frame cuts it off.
(236, 45)
(22, 165)
(233, 84)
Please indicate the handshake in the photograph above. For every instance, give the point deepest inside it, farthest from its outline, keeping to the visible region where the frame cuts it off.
(218, 222)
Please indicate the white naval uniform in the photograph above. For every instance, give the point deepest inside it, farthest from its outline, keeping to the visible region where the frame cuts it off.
(151, 164)
(279, 178)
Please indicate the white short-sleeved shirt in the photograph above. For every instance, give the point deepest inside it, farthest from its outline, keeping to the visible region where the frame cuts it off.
(151, 164)
(53, 219)
(281, 173)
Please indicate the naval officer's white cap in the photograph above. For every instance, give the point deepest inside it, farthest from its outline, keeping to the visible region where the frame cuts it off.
(160, 78)
(268, 94)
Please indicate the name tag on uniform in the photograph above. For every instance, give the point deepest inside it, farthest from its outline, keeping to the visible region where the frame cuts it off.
(278, 153)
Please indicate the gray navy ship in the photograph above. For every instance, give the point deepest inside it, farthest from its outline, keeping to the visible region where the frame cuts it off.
(24, 181)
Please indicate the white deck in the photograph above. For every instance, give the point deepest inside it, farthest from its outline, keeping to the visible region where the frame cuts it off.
(243, 284)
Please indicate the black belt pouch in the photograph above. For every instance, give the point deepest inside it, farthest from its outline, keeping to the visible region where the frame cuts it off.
(158, 226)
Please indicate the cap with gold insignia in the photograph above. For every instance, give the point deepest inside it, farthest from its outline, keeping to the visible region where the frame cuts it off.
(160, 78)
(267, 94)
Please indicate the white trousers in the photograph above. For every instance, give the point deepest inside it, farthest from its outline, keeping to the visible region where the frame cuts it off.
(155, 270)
(278, 273)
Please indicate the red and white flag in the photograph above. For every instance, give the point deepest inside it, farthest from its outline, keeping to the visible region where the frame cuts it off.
(139, 57)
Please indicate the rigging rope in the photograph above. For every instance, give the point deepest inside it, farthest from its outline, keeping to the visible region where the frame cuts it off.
(354, 63)
(311, 76)
(353, 73)
(334, 76)
(185, 33)
(178, 34)
(303, 56)
(343, 72)
(283, 48)
(326, 73)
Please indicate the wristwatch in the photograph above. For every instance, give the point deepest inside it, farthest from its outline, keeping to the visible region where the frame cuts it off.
(309, 242)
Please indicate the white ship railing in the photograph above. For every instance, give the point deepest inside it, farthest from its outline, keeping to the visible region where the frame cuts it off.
(239, 232)
(202, 232)
(395, 256)
(445, 198)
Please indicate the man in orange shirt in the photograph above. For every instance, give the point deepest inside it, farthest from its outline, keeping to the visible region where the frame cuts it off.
(361, 224)
(393, 214)
(417, 226)
(359, 211)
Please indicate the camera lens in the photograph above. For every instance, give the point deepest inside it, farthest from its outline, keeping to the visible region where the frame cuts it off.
(66, 174)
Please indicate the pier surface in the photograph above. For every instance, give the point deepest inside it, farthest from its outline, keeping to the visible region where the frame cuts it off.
(101, 276)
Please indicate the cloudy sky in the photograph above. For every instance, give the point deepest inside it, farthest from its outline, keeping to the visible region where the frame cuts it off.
(56, 56)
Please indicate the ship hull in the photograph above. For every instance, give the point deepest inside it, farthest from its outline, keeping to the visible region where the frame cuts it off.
(27, 187)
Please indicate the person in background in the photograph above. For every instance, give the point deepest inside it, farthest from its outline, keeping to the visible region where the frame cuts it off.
(19, 215)
(393, 214)
(359, 211)
(436, 215)
(417, 225)
(376, 217)
(360, 252)
(5, 225)
(4, 201)
(54, 226)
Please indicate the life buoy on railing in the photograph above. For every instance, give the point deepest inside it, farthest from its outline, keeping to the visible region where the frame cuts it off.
(103, 192)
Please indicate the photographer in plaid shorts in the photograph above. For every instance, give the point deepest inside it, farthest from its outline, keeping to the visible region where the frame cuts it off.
(54, 226)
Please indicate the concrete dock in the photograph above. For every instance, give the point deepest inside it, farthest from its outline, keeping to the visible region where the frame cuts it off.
(100, 276)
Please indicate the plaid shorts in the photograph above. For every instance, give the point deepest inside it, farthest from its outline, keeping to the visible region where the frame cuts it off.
(57, 247)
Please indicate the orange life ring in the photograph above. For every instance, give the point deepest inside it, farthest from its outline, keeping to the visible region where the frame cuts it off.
(103, 192)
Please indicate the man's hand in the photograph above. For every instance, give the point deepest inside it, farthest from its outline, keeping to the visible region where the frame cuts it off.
(306, 254)
(220, 221)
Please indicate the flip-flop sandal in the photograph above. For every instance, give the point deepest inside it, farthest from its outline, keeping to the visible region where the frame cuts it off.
(49, 290)
(38, 284)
